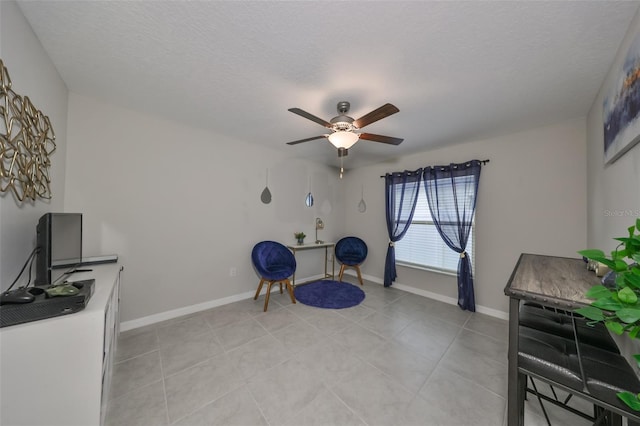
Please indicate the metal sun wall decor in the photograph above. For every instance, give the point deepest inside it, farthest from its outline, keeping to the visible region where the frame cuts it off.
(26, 142)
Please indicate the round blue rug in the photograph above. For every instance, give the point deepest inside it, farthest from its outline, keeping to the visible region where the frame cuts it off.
(329, 294)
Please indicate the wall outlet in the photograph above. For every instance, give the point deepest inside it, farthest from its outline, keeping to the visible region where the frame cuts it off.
(233, 271)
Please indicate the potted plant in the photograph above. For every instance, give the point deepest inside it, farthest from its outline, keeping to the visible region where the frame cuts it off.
(618, 305)
(300, 237)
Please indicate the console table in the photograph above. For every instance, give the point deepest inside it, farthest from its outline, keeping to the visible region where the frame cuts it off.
(550, 281)
(315, 246)
(57, 371)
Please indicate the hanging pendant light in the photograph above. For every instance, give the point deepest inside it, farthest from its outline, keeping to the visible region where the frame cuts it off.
(265, 197)
(308, 201)
(362, 206)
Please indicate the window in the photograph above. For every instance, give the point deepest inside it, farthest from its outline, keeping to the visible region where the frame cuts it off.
(422, 245)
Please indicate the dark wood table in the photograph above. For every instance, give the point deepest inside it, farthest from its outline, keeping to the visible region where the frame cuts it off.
(557, 282)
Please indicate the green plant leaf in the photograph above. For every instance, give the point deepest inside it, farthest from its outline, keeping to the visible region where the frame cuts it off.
(632, 244)
(632, 279)
(636, 257)
(620, 266)
(623, 239)
(628, 315)
(637, 358)
(591, 313)
(597, 292)
(608, 303)
(619, 254)
(629, 327)
(626, 295)
(614, 327)
(612, 264)
(638, 224)
(634, 332)
(592, 253)
(630, 399)
(620, 281)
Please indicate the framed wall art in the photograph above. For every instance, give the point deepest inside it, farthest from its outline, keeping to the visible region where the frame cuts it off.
(621, 105)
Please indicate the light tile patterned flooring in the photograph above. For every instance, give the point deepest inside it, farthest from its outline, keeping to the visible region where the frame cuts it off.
(396, 359)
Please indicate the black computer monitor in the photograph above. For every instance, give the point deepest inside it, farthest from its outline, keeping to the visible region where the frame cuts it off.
(59, 243)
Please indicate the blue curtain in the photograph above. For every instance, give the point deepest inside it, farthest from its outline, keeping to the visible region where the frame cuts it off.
(451, 193)
(401, 194)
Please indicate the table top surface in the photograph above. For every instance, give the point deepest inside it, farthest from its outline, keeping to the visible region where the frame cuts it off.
(551, 280)
(310, 246)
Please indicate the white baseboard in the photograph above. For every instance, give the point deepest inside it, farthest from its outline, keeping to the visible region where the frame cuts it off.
(174, 313)
(431, 295)
(186, 310)
(309, 279)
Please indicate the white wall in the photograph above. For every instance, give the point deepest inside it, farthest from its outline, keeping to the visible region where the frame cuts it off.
(146, 188)
(33, 75)
(613, 190)
(531, 199)
(181, 206)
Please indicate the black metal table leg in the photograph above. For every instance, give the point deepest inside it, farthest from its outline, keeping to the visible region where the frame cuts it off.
(516, 380)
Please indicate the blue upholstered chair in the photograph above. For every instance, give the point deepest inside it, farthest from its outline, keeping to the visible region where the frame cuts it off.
(275, 264)
(351, 252)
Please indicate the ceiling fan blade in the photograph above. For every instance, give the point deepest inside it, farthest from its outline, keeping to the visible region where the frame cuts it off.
(375, 115)
(306, 140)
(311, 117)
(380, 138)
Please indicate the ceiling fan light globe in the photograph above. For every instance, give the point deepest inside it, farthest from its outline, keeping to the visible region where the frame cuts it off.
(343, 139)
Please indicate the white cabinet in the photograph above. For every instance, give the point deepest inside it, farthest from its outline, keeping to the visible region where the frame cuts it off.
(57, 371)
(111, 331)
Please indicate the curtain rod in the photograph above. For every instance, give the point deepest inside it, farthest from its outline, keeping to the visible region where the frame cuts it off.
(482, 161)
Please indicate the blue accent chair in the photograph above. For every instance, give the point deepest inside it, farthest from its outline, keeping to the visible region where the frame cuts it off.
(275, 264)
(351, 252)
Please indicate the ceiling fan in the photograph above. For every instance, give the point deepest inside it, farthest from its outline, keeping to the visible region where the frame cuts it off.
(345, 129)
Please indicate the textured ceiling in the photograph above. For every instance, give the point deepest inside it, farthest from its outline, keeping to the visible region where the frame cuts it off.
(456, 70)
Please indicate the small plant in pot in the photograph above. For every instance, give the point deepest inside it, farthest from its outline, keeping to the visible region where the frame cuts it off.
(617, 304)
(300, 237)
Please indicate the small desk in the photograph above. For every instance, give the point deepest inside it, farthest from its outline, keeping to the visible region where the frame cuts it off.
(556, 282)
(313, 246)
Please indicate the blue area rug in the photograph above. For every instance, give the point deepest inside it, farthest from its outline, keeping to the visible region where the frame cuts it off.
(329, 294)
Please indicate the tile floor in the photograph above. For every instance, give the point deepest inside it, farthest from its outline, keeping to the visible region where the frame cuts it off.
(396, 359)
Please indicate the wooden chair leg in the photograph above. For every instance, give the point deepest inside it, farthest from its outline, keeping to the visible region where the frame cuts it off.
(259, 288)
(266, 299)
(280, 287)
(290, 288)
(359, 275)
(342, 267)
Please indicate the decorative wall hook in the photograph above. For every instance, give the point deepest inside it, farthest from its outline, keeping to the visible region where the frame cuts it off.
(26, 142)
